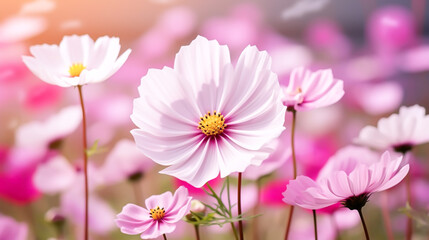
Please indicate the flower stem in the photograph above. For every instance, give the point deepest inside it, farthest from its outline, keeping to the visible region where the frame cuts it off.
(315, 224)
(240, 222)
(363, 223)
(408, 180)
(165, 236)
(234, 230)
(386, 217)
(289, 222)
(255, 228)
(197, 232)
(85, 161)
(409, 228)
(293, 142)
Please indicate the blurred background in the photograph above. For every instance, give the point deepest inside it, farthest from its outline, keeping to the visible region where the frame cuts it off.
(380, 48)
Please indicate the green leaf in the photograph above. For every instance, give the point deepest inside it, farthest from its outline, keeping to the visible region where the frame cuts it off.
(94, 149)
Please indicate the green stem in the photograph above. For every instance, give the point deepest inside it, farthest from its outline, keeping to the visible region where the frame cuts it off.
(289, 222)
(234, 230)
(363, 223)
(315, 224)
(85, 161)
(240, 222)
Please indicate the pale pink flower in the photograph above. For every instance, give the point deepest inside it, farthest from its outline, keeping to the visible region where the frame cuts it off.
(10, 229)
(124, 161)
(38, 135)
(78, 60)
(347, 159)
(399, 131)
(351, 189)
(307, 89)
(161, 216)
(57, 175)
(276, 159)
(193, 119)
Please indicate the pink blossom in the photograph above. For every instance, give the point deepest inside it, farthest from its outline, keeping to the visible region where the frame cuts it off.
(276, 159)
(413, 60)
(124, 161)
(178, 108)
(38, 135)
(343, 187)
(399, 131)
(57, 175)
(10, 229)
(391, 28)
(78, 60)
(161, 216)
(16, 183)
(307, 90)
(347, 159)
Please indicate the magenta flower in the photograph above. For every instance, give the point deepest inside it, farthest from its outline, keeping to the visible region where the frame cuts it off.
(162, 213)
(307, 90)
(193, 119)
(399, 131)
(78, 60)
(351, 189)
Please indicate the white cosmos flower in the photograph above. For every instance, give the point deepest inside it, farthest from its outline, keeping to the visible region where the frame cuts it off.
(206, 116)
(78, 60)
(399, 131)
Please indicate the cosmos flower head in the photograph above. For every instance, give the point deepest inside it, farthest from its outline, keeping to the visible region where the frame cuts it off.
(351, 189)
(10, 229)
(307, 90)
(400, 132)
(161, 216)
(78, 60)
(58, 176)
(206, 116)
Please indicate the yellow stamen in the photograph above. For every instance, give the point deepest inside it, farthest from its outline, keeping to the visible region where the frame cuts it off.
(75, 69)
(212, 124)
(157, 213)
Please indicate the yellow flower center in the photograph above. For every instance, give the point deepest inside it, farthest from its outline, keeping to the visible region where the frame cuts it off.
(75, 69)
(157, 213)
(212, 125)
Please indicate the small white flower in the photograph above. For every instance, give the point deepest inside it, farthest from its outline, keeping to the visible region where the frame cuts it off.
(78, 60)
(399, 131)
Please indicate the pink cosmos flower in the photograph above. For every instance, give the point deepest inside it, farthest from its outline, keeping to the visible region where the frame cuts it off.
(193, 119)
(399, 131)
(307, 90)
(78, 60)
(39, 135)
(162, 213)
(57, 175)
(276, 159)
(10, 229)
(124, 161)
(351, 189)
